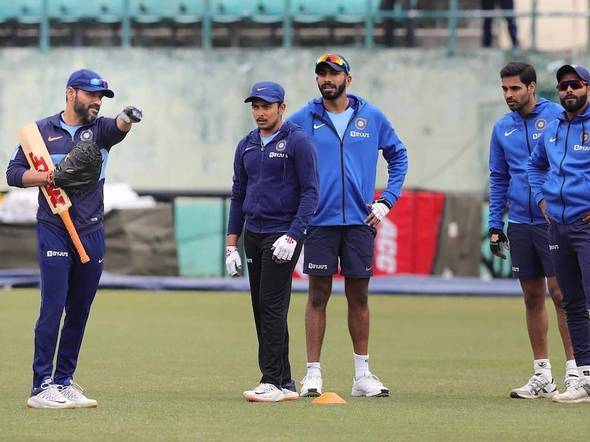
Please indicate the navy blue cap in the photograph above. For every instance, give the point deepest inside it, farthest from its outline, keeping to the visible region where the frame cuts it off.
(89, 81)
(268, 91)
(580, 71)
(336, 61)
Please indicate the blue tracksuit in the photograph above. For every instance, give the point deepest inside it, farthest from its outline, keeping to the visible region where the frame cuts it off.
(559, 173)
(513, 139)
(65, 282)
(348, 167)
(559, 168)
(274, 186)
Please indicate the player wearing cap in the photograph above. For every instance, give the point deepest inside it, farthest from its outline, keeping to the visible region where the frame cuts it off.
(348, 133)
(274, 194)
(558, 172)
(66, 284)
(512, 141)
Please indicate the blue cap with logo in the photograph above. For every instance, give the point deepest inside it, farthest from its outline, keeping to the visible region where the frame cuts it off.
(89, 81)
(268, 91)
(580, 71)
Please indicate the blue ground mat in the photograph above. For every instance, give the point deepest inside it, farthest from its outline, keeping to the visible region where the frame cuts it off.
(395, 285)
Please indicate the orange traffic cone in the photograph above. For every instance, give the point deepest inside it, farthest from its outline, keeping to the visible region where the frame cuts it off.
(328, 398)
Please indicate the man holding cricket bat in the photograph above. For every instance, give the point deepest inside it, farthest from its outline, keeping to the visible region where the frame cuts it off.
(71, 246)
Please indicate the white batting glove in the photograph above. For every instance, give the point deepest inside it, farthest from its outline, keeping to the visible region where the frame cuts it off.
(283, 249)
(233, 262)
(379, 209)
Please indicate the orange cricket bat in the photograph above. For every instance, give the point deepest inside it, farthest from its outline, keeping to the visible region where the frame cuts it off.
(39, 159)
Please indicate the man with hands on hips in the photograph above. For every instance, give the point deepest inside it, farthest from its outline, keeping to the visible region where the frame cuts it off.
(274, 194)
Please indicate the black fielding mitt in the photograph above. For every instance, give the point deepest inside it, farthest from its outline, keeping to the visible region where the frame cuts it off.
(79, 171)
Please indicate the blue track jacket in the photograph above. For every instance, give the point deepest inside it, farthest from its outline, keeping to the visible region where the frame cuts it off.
(347, 168)
(87, 209)
(513, 140)
(275, 187)
(559, 168)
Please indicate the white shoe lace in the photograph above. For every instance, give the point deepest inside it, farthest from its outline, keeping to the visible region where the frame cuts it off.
(50, 392)
(73, 391)
(372, 378)
(571, 382)
(311, 378)
(266, 388)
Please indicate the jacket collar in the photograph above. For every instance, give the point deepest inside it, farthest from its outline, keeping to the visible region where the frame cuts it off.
(318, 108)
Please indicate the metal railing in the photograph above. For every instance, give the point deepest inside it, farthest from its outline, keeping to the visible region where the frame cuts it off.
(452, 14)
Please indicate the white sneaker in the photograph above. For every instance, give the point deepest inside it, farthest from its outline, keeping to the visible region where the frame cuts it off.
(369, 385)
(311, 385)
(290, 395)
(49, 397)
(578, 392)
(264, 393)
(73, 393)
(538, 386)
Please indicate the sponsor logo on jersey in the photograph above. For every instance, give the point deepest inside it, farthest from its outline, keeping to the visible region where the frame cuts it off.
(278, 155)
(540, 124)
(553, 246)
(50, 139)
(52, 253)
(313, 266)
(355, 134)
(580, 147)
(515, 269)
(281, 145)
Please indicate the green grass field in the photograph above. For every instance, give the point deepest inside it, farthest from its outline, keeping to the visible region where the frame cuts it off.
(172, 366)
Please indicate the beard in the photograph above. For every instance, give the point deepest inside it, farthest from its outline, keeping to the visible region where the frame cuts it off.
(574, 106)
(83, 111)
(333, 95)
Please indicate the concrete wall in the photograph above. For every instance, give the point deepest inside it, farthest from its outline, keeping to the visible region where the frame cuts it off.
(443, 108)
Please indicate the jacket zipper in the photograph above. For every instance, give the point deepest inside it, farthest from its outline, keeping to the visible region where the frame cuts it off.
(561, 170)
(528, 145)
(342, 181)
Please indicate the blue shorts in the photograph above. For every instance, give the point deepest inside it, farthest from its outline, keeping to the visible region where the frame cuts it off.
(529, 250)
(349, 246)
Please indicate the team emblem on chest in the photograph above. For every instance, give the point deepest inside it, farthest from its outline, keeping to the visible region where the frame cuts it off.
(281, 145)
(86, 135)
(540, 124)
(360, 123)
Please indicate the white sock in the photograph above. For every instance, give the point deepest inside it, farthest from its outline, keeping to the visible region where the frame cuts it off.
(543, 366)
(313, 368)
(361, 365)
(584, 371)
(571, 369)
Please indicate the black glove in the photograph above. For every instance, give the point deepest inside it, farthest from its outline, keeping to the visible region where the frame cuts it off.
(131, 114)
(80, 169)
(497, 239)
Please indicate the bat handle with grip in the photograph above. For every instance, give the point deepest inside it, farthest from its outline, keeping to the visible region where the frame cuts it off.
(67, 220)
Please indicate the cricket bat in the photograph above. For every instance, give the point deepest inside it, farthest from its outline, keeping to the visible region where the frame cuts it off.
(39, 159)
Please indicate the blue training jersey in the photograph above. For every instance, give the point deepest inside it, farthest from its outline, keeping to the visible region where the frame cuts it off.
(347, 167)
(512, 142)
(559, 168)
(87, 211)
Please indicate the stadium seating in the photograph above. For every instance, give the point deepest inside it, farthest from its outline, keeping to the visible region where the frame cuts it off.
(72, 11)
(155, 11)
(21, 11)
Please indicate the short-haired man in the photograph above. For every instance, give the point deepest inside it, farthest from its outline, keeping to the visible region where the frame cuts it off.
(348, 133)
(558, 171)
(274, 194)
(513, 139)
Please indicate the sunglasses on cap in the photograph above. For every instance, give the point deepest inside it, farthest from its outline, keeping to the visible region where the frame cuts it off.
(334, 58)
(99, 82)
(574, 84)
